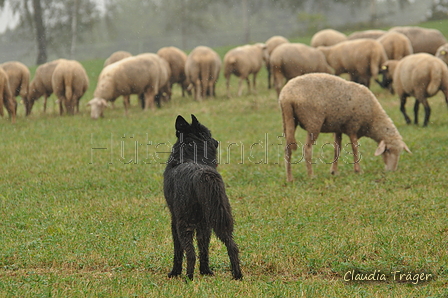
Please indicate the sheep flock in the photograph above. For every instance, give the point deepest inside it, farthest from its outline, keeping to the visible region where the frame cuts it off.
(409, 61)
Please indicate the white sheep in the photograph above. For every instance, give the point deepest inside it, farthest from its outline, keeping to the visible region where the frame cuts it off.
(396, 45)
(6, 98)
(372, 34)
(327, 37)
(243, 61)
(423, 40)
(116, 56)
(271, 44)
(325, 103)
(19, 80)
(176, 59)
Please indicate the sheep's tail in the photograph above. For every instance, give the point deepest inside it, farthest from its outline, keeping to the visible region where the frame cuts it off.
(289, 124)
(436, 79)
(206, 73)
(24, 86)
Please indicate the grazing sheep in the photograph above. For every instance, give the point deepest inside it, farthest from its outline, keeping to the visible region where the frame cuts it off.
(271, 44)
(423, 40)
(361, 58)
(442, 53)
(117, 56)
(19, 80)
(327, 37)
(243, 61)
(396, 45)
(372, 34)
(41, 84)
(98, 105)
(324, 103)
(420, 75)
(176, 59)
(70, 82)
(202, 69)
(290, 60)
(6, 98)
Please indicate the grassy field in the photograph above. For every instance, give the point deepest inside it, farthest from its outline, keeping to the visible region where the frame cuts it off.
(83, 213)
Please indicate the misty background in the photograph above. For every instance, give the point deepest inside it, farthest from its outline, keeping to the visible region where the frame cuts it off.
(94, 29)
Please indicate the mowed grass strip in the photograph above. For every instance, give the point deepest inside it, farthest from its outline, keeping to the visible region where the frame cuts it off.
(83, 214)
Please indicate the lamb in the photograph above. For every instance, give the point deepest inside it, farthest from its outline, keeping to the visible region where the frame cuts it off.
(243, 61)
(202, 69)
(294, 59)
(271, 44)
(69, 82)
(324, 103)
(19, 80)
(41, 84)
(372, 34)
(423, 40)
(117, 56)
(361, 58)
(420, 75)
(327, 37)
(176, 59)
(6, 98)
(396, 45)
(442, 53)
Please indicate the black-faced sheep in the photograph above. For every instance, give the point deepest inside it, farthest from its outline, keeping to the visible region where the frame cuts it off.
(372, 34)
(202, 69)
(41, 84)
(420, 75)
(6, 98)
(361, 58)
(271, 44)
(117, 56)
(423, 40)
(442, 53)
(243, 61)
(290, 60)
(327, 37)
(70, 82)
(176, 59)
(19, 80)
(322, 103)
(396, 45)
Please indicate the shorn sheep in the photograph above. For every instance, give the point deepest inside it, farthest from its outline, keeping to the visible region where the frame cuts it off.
(442, 53)
(361, 58)
(423, 40)
(176, 59)
(19, 80)
(70, 82)
(242, 62)
(117, 56)
(271, 44)
(323, 103)
(327, 37)
(290, 60)
(420, 75)
(6, 98)
(396, 45)
(41, 84)
(202, 69)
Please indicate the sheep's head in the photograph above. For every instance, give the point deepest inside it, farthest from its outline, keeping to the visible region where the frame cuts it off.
(391, 152)
(97, 105)
(442, 53)
(387, 70)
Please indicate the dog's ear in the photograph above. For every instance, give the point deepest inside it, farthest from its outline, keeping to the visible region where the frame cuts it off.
(194, 120)
(181, 124)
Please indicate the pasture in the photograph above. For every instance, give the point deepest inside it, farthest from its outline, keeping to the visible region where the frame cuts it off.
(83, 213)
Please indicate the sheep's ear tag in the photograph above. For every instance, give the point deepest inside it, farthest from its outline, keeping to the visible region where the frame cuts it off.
(443, 52)
(381, 148)
(181, 124)
(384, 67)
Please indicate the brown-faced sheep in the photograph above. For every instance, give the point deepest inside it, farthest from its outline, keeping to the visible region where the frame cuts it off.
(396, 45)
(117, 56)
(176, 59)
(202, 69)
(243, 61)
(327, 37)
(423, 40)
(361, 58)
(420, 75)
(70, 82)
(372, 34)
(6, 98)
(322, 103)
(19, 80)
(271, 44)
(41, 84)
(290, 60)
(442, 53)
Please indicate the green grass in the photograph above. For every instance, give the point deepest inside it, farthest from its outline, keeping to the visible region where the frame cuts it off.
(83, 222)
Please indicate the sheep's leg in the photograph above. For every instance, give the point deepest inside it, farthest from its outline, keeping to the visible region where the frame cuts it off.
(403, 109)
(278, 80)
(203, 234)
(254, 85)
(427, 112)
(45, 103)
(337, 151)
(269, 75)
(198, 90)
(310, 140)
(61, 108)
(126, 103)
(416, 106)
(356, 158)
(228, 86)
(1, 103)
(149, 99)
(240, 86)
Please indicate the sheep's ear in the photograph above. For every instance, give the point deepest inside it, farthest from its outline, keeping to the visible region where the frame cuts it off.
(181, 124)
(381, 148)
(405, 147)
(89, 103)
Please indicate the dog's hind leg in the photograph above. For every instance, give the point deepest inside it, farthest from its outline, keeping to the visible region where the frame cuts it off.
(232, 250)
(186, 240)
(178, 252)
(203, 233)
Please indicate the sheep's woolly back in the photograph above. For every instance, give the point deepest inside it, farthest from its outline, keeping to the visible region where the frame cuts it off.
(325, 103)
(274, 42)
(19, 77)
(176, 59)
(41, 83)
(423, 40)
(244, 60)
(327, 37)
(202, 62)
(372, 34)
(396, 45)
(117, 56)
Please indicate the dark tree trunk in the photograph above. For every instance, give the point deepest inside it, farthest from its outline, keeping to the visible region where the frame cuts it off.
(40, 33)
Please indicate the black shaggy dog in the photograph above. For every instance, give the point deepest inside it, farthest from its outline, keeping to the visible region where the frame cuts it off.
(196, 197)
